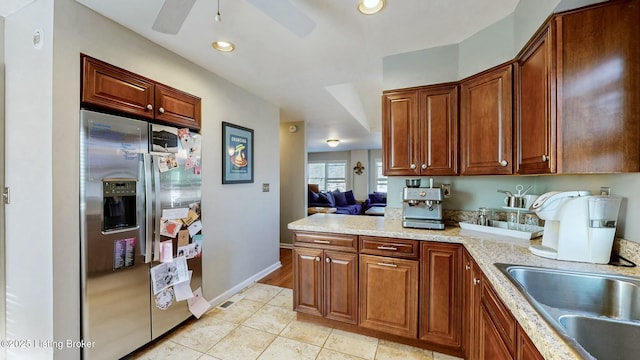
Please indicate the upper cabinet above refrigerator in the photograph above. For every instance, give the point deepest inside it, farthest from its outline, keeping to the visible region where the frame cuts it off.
(108, 87)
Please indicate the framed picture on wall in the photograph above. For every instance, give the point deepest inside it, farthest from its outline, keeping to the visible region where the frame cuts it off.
(237, 154)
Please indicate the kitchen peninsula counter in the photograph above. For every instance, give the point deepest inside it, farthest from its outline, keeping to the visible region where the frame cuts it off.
(486, 249)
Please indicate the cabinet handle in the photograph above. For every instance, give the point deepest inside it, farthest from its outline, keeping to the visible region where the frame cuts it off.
(328, 260)
(381, 247)
(424, 166)
(161, 110)
(413, 166)
(467, 267)
(322, 241)
(317, 258)
(476, 281)
(388, 264)
(504, 163)
(149, 107)
(545, 158)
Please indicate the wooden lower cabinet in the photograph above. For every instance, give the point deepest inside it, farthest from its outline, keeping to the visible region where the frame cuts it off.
(490, 345)
(389, 295)
(441, 294)
(526, 349)
(492, 331)
(437, 298)
(326, 284)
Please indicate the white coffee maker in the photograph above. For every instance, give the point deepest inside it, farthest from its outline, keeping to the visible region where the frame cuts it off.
(578, 226)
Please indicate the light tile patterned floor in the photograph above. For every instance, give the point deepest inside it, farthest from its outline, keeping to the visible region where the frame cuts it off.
(262, 326)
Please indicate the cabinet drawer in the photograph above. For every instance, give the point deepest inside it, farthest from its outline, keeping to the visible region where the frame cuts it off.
(500, 316)
(340, 242)
(399, 248)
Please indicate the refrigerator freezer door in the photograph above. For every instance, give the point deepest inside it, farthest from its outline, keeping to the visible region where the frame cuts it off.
(115, 281)
(176, 186)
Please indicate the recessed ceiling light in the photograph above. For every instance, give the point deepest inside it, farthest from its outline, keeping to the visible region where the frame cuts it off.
(224, 46)
(369, 7)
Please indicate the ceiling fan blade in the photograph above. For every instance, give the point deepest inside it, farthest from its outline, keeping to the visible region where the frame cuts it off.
(287, 15)
(172, 15)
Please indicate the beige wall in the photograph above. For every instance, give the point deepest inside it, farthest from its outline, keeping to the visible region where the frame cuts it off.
(240, 238)
(293, 188)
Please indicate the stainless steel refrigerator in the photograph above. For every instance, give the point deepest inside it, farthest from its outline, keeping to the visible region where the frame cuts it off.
(135, 178)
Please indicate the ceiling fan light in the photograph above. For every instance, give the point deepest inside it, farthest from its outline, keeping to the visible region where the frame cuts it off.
(333, 142)
(369, 7)
(224, 46)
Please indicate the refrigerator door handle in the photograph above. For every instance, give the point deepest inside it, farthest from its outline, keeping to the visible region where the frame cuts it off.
(157, 211)
(148, 243)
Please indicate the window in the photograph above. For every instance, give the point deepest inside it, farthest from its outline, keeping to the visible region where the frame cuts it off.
(381, 180)
(329, 175)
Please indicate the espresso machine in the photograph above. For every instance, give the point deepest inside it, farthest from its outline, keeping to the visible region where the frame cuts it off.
(421, 207)
(578, 226)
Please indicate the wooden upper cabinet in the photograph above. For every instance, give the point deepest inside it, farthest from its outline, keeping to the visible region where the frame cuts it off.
(535, 115)
(438, 122)
(400, 133)
(598, 61)
(177, 108)
(109, 87)
(486, 134)
(420, 131)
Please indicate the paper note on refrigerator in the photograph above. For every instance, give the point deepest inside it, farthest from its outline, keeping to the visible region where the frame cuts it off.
(177, 213)
(182, 291)
(168, 274)
(195, 228)
(197, 304)
(170, 228)
(166, 251)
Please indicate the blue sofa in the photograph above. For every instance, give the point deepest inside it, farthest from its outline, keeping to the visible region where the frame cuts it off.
(378, 199)
(344, 202)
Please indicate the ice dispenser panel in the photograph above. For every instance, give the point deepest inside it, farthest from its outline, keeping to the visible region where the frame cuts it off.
(119, 204)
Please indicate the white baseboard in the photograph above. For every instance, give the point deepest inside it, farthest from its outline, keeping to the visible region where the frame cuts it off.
(236, 289)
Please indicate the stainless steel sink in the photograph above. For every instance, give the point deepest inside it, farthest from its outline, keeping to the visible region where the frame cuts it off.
(603, 338)
(597, 314)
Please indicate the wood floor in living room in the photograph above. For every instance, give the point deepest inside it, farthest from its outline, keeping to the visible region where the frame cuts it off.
(262, 325)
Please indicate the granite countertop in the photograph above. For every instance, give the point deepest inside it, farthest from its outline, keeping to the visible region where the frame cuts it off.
(486, 249)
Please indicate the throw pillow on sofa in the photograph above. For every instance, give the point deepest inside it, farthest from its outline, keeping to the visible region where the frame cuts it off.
(340, 198)
(323, 199)
(313, 197)
(351, 200)
(378, 197)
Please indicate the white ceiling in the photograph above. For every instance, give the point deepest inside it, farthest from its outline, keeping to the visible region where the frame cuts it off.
(330, 78)
(8, 7)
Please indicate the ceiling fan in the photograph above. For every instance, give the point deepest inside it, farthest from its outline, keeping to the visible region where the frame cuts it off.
(173, 14)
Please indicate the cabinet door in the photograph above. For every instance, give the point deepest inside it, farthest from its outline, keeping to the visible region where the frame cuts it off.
(472, 291)
(526, 349)
(535, 107)
(307, 280)
(486, 134)
(177, 108)
(490, 344)
(400, 133)
(389, 295)
(341, 286)
(112, 88)
(599, 88)
(438, 119)
(440, 294)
